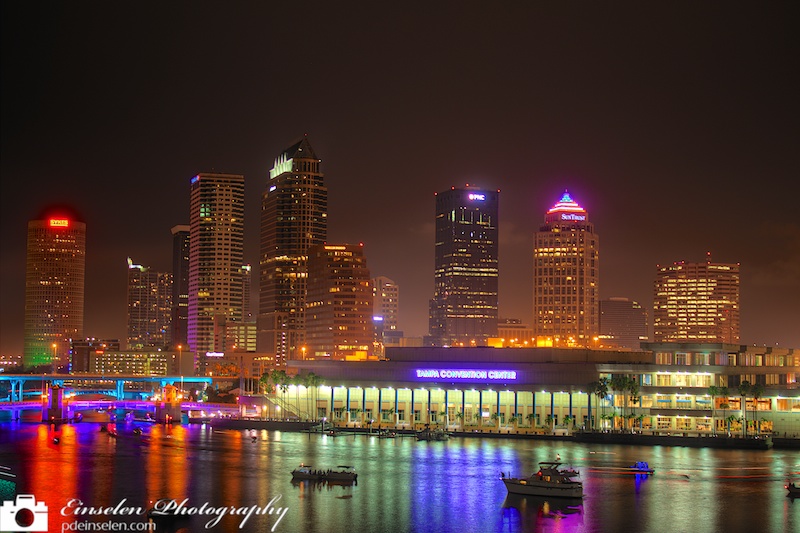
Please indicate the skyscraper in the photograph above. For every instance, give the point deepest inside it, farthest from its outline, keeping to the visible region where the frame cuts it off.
(338, 304)
(149, 308)
(54, 287)
(566, 277)
(696, 302)
(386, 302)
(294, 211)
(216, 249)
(180, 285)
(463, 310)
(623, 323)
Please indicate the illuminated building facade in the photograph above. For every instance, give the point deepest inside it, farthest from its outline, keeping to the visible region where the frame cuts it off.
(180, 285)
(216, 249)
(549, 390)
(149, 308)
(339, 304)
(54, 288)
(385, 308)
(566, 277)
(623, 323)
(294, 211)
(696, 302)
(463, 310)
(513, 332)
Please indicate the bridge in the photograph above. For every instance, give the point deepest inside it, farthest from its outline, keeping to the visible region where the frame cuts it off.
(118, 406)
(113, 384)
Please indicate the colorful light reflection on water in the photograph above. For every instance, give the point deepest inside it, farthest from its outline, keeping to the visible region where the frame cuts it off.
(403, 485)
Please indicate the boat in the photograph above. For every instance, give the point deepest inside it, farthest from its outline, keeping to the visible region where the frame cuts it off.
(550, 480)
(333, 433)
(304, 471)
(386, 434)
(432, 434)
(793, 489)
(342, 473)
(641, 467)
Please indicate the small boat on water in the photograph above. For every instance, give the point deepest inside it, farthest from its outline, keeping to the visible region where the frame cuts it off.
(386, 434)
(550, 480)
(641, 467)
(793, 489)
(307, 472)
(344, 473)
(432, 434)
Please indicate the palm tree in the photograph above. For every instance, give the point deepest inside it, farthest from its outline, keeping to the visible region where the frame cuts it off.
(633, 388)
(531, 419)
(744, 390)
(314, 381)
(495, 417)
(600, 389)
(713, 391)
(621, 384)
(756, 392)
(460, 418)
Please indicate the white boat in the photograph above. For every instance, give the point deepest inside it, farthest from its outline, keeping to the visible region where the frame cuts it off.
(307, 472)
(550, 480)
(342, 473)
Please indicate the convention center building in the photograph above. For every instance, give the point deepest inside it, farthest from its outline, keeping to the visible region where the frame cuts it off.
(664, 387)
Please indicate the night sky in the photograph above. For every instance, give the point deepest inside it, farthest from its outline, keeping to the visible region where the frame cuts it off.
(676, 125)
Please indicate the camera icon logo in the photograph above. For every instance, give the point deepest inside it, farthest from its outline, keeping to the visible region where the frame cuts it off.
(23, 514)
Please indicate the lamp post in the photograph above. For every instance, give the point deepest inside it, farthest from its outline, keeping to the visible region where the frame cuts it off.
(55, 354)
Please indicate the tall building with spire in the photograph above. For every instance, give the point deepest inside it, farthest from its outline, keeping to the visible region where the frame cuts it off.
(696, 302)
(463, 310)
(149, 308)
(54, 287)
(566, 277)
(294, 211)
(216, 253)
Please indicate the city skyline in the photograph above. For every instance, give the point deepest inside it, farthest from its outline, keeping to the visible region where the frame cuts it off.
(676, 149)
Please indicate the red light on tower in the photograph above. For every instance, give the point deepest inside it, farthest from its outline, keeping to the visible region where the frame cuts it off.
(59, 223)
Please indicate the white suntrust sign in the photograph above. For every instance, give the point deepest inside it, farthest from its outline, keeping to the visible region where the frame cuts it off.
(466, 374)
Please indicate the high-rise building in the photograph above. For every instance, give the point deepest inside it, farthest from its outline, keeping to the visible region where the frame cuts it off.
(623, 324)
(149, 308)
(180, 285)
(54, 287)
(216, 250)
(463, 310)
(696, 302)
(566, 277)
(294, 211)
(386, 302)
(339, 304)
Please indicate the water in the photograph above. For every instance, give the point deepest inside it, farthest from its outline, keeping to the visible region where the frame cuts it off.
(403, 485)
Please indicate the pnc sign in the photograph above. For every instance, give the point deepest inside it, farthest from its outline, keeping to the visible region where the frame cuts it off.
(59, 223)
(475, 196)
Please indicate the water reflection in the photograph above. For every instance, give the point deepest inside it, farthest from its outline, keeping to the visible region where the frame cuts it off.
(403, 485)
(536, 513)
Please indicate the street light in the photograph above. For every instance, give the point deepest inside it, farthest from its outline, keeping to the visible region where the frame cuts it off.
(55, 352)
